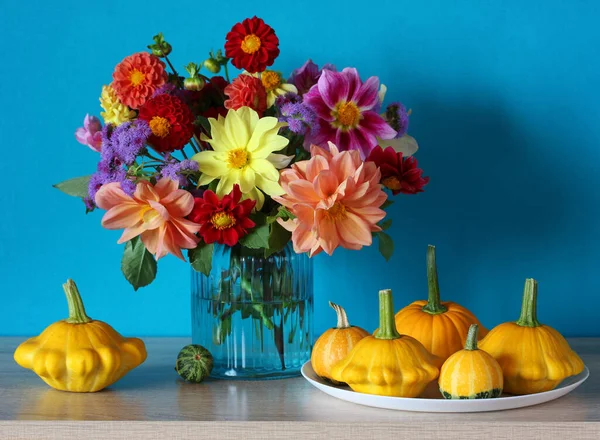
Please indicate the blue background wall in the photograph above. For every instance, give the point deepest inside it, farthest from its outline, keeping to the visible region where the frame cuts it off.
(505, 98)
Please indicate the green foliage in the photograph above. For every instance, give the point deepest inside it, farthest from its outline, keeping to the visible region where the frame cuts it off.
(76, 187)
(138, 265)
(386, 245)
(201, 258)
(387, 204)
(258, 237)
(279, 237)
(385, 224)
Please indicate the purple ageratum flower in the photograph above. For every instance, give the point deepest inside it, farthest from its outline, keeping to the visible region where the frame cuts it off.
(299, 117)
(346, 112)
(287, 98)
(91, 133)
(128, 140)
(397, 116)
(101, 177)
(177, 170)
(166, 88)
(307, 76)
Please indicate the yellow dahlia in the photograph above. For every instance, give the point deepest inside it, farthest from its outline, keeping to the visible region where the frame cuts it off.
(243, 153)
(115, 112)
(274, 85)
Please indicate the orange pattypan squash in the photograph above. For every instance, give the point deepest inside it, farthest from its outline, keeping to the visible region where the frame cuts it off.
(335, 344)
(534, 357)
(441, 326)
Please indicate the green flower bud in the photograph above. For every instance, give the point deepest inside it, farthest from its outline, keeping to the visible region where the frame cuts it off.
(160, 48)
(212, 65)
(194, 83)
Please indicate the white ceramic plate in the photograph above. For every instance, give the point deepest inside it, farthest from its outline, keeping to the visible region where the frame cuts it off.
(437, 404)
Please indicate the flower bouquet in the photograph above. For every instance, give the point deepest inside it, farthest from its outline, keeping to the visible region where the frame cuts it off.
(252, 175)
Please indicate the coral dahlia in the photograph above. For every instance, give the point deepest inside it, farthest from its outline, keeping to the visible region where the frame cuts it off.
(252, 45)
(398, 173)
(224, 221)
(336, 198)
(346, 110)
(137, 77)
(171, 122)
(246, 91)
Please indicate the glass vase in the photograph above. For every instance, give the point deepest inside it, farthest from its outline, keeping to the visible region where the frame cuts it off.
(254, 314)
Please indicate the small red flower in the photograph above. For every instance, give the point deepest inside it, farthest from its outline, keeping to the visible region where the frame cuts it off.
(223, 221)
(246, 91)
(400, 174)
(252, 45)
(137, 77)
(171, 122)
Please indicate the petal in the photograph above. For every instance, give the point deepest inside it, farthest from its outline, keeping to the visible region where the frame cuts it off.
(145, 192)
(227, 181)
(328, 235)
(265, 168)
(376, 126)
(248, 179)
(304, 191)
(211, 163)
(132, 232)
(354, 231)
(179, 203)
(366, 96)
(122, 216)
(237, 128)
(165, 186)
(153, 241)
(315, 166)
(407, 145)
(262, 126)
(269, 187)
(279, 160)
(333, 88)
(326, 184)
(111, 195)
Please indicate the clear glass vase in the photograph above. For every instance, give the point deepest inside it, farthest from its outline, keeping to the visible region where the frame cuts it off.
(254, 314)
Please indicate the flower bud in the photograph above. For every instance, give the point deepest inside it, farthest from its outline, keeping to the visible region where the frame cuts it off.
(194, 83)
(160, 48)
(212, 65)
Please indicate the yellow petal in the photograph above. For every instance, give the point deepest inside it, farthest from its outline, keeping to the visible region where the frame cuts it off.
(247, 179)
(262, 126)
(265, 168)
(257, 195)
(227, 181)
(211, 163)
(268, 186)
(289, 88)
(237, 127)
(270, 142)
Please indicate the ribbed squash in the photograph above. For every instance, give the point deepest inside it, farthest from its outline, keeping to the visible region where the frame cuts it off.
(471, 373)
(335, 344)
(533, 356)
(80, 354)
(194, 363)
(387, 364)
(441, 327)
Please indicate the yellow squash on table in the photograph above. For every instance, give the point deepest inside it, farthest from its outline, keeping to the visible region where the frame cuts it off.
(471, 373)
(441, 327)
(387, 364)
(335, 344)
(533, 356)
(80, 354)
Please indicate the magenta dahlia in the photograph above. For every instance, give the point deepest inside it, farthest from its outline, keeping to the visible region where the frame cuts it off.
(346, 110)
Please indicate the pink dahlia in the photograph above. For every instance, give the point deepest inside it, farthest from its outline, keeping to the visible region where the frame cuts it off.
(346, 111)
(336, 198)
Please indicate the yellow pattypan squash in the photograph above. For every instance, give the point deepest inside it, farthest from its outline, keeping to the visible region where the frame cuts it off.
(533, 356)
(471, 373)
(440, 326)
(335, 344)
(387, 364)
(80, 354)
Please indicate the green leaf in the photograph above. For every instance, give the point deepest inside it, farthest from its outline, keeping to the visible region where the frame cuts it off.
(201, 258)
(203, 122)
(385, 224)
(76, 187)
(387, 204)
(138, 265)
(386, 245)
(257, 238)
(278, 239)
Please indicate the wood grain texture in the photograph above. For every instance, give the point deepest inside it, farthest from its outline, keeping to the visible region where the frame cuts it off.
(153, 394)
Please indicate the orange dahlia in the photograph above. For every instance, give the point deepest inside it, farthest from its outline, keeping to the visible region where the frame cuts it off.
(252, 45)
(137, 77)
(246, 91)
(171, 122)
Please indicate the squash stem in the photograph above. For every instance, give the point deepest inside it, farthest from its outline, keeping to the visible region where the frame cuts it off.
(76, 309)
(342, 318)
(434, 305)
(387, 323)
(471, 343)
(528, 316)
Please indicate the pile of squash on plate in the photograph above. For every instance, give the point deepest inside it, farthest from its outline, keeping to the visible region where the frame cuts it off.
(429, 340)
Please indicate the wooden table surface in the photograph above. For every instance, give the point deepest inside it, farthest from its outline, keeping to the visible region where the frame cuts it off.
(152, 402)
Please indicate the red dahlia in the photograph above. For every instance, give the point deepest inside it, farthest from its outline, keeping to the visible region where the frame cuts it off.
(252, 45)
(400, 174)
(171, 122)
(223, 221)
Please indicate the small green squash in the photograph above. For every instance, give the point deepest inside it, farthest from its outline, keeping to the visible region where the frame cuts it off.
(471, 373)
(194, 363)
